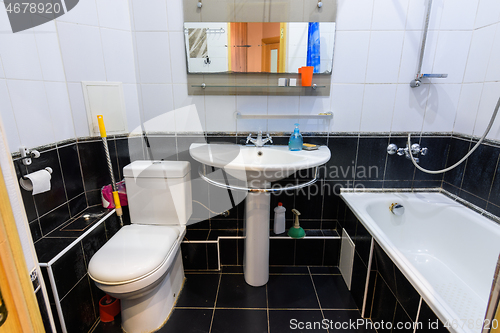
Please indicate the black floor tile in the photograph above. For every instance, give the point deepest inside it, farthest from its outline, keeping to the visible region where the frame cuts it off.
(333, 293)
(188, 320)
(291, 292)
(232, 269)
(288, 270)
(338, 321)
(331, 270)
(199, 290)
(234, 292)
(114, 326)
(295, 321)
(241, 321)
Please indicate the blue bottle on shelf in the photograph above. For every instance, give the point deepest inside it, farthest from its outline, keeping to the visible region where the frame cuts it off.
(296, 141)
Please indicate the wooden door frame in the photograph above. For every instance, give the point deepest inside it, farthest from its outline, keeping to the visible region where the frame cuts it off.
(268, 44)
(17, 289)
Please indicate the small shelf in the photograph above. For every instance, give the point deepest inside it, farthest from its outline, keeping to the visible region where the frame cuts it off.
(325, 115)
(203, 86)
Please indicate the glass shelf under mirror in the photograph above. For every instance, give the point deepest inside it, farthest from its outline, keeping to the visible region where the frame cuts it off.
(203, 86)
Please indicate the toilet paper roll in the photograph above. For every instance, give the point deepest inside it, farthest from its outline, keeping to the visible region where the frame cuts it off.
(38, 181)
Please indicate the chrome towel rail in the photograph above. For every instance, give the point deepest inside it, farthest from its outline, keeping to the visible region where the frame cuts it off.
(258, 190)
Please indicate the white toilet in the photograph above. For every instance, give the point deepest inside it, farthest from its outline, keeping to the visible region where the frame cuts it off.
(142, 264)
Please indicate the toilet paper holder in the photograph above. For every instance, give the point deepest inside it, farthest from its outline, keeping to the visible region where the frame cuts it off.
(27, 155)
(26, 183)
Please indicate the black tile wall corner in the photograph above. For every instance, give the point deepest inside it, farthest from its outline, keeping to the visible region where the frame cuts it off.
(72, 173)
(476, 180)
(94, 165)
(480, 170)
(370, 165)
(69, 269)
(78, 307)
(341, 165)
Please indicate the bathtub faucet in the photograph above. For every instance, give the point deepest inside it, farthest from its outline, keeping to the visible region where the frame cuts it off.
(259, 142)
(415, 150)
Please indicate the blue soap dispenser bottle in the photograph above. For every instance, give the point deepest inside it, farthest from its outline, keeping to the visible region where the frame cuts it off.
(296, 141)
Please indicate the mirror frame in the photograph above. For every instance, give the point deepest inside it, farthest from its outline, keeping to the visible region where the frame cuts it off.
(257, 11)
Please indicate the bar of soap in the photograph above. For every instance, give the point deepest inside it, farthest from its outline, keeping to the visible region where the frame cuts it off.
(309, 146)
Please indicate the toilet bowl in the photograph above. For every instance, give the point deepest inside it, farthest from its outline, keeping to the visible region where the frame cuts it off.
(142, 264)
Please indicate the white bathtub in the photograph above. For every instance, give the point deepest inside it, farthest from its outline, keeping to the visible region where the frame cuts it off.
(446, 250)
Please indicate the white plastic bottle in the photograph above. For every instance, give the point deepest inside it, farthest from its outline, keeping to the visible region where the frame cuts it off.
(279, 219)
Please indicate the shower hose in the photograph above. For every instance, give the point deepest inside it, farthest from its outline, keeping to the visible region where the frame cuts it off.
(493, 116)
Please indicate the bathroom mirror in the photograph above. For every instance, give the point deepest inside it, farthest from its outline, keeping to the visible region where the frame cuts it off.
(259, 47)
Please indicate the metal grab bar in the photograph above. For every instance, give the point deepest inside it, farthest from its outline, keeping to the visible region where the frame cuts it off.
(257, 190)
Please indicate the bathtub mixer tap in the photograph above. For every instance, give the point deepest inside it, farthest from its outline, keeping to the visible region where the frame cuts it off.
(415, 149)
(259, 142)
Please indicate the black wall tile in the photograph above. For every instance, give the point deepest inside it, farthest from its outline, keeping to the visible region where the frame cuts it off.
(309, 252)
(54, 219)
(398, 167)
(93, 242)
(342, 162)
(480, 170)
(36, 232)
(228, 251)
(78, 308)
(358, 280)
(435, 159)
(371, 158)
(112, 225)
(458, 149)
(69, 269)
(194, 255)
(281, 251)
(212, 256)
(429, 320)
(407, 296)
(72, 173)
(77, 205)
(363, 241)
(384, 303)
(332, 252)
(94, 164)
(402, 323)
(473, 199)
(123, 154)
(94, 197)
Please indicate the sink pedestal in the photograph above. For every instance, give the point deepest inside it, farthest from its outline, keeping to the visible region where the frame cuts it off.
(256, 254)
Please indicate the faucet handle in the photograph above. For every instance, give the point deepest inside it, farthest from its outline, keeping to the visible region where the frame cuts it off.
(249, 137)
(269, 138)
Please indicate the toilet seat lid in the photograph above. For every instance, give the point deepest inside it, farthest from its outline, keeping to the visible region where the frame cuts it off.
(133, 253)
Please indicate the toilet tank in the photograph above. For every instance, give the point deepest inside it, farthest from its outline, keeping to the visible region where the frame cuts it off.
(159, 192)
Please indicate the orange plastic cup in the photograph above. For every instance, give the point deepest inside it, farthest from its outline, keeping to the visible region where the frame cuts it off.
(306, 74)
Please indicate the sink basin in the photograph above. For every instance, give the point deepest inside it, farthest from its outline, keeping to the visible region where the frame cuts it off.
(258, 165)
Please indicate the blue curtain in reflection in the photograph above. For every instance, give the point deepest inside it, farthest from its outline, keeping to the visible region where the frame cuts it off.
(313, 49)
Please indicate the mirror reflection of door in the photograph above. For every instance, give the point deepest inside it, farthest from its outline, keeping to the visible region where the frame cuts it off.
(257, 47)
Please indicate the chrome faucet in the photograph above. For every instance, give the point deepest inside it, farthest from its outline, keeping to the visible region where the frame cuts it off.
(259, 142)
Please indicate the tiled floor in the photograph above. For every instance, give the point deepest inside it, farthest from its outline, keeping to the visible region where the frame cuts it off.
(214, 302)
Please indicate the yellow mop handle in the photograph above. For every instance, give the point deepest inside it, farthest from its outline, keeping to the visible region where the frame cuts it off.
(102, 129)
(116, 198)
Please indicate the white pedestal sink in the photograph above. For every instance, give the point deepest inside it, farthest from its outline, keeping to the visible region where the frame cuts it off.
(253, 169)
